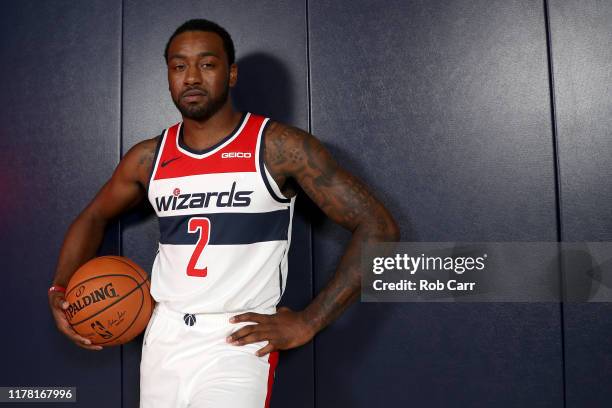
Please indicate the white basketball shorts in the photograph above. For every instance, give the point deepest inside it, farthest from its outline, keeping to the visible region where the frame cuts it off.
(193, 366)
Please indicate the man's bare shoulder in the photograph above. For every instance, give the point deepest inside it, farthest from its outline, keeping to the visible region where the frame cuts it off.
(278, 132)
(285, 146)
(145, 149)
(138, 161)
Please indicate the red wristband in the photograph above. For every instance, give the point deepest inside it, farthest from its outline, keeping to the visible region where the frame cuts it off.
(57, 288)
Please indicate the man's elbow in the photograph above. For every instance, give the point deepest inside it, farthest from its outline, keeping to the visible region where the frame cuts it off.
(393, 233)
(90, 218)
(382, 228)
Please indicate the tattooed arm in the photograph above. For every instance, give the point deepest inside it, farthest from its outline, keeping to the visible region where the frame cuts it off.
(124, 190)
(293, 155)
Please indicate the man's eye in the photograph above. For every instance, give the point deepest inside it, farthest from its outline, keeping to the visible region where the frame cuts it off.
(207, 65)
(179, 67)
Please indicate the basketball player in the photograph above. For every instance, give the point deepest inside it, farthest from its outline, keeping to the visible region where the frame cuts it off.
(223, 184)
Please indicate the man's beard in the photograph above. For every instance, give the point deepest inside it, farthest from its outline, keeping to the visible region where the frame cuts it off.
(204, 110)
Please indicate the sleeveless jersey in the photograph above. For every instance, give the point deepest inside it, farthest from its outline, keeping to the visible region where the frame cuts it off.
(225, 227)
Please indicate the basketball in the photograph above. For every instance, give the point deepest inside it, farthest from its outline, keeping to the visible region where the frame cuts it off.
(109, 300)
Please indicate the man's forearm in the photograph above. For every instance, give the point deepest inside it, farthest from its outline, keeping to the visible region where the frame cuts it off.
(80, 245)
(344, 287)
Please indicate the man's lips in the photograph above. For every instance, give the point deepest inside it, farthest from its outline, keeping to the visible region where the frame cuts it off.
(193, 93)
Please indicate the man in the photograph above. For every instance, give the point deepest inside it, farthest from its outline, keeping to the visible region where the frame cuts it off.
(223, 184)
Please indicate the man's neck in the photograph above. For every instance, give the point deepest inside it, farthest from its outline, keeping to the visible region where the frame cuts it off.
(199, 135)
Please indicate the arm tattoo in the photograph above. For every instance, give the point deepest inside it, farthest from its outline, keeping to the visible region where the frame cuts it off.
(146, 157)
(297, 154)
(146, 160)
(339, 194)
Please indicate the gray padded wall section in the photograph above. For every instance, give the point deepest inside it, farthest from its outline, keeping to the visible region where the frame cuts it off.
(270, 40)
(58, 145)
(581, 34)
(443, 108)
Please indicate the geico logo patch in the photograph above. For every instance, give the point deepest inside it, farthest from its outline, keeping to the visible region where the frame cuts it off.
(236, 155)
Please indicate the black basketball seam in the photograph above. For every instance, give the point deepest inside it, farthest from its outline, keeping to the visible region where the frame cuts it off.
(118, 258)
(96, 277)
(115, 302)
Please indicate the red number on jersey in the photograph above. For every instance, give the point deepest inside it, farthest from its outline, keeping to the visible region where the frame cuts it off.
(203, 226)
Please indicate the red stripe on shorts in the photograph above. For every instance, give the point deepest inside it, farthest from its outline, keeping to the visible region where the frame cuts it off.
(273, 361)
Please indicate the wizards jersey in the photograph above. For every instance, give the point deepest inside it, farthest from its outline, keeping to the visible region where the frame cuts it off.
(225, 227)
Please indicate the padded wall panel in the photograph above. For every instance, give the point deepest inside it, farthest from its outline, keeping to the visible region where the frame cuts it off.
(582, 59)
(270, 39)
(443, 109)
(58, 144)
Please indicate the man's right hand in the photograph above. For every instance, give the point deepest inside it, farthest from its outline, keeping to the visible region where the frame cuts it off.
(58, 305)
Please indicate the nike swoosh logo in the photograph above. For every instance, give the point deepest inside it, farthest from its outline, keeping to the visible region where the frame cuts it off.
(164, 164)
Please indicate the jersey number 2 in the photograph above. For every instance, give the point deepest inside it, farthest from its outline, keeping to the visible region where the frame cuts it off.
(201, 225)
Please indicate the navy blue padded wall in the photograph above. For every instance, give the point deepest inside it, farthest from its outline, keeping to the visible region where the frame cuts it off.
(581, 35)
(270, 41)
(443, 109)
(58, 145)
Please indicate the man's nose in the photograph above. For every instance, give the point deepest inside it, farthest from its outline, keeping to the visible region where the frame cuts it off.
(193, 75)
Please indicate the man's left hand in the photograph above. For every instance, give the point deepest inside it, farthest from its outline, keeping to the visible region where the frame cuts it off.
(284, 330)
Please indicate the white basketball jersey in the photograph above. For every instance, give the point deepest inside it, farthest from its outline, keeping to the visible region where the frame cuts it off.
(225, 227)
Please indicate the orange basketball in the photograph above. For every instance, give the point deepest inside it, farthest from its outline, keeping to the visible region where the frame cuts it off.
(109, 300)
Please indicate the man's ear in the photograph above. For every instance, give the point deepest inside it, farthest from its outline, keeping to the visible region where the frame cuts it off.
(233, 75)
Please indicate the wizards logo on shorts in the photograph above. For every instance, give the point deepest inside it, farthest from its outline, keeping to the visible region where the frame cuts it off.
(177, 201)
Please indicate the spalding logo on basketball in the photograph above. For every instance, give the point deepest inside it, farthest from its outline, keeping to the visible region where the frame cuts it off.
(109, 300)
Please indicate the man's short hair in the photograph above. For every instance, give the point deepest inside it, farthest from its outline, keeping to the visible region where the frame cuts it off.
(200, 24)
